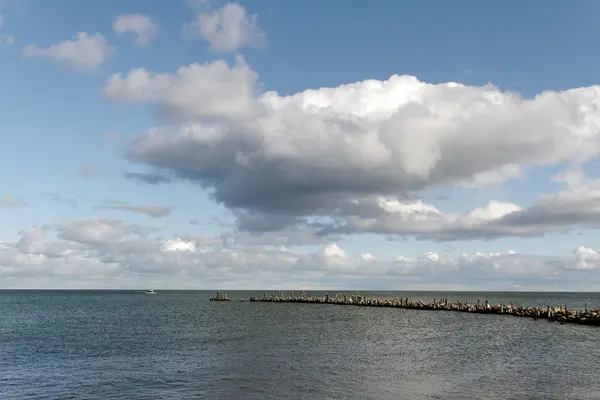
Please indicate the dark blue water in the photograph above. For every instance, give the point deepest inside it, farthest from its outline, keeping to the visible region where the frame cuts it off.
(178, 345)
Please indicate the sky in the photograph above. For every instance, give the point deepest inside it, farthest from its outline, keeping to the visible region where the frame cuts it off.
(207, 144)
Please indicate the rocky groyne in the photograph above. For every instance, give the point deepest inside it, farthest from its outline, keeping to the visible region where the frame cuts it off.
(220, 297)
(560, 313)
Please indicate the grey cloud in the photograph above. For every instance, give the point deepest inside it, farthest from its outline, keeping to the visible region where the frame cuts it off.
(259, 222)
(267, 186)
(154, 211)
(555, 214)
(153, 179)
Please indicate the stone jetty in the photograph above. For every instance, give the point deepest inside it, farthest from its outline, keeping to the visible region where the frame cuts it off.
(220, 297)
(560, 313)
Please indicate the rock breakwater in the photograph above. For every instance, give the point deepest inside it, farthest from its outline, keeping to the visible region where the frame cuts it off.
(559, 313)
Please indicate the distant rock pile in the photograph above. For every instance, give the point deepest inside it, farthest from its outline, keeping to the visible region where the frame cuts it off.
(551, 313)
(220, 297)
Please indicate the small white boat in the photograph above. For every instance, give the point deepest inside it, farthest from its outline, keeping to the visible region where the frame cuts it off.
(150, 291)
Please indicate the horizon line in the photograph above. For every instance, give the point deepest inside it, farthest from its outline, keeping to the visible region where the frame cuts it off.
(296, 290)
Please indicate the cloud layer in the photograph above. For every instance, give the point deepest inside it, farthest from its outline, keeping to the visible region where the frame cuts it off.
(108, 253)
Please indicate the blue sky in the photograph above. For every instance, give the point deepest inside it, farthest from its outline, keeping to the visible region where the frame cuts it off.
(63, 136)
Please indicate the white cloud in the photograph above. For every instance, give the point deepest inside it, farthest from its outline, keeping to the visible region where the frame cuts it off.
(140, 25)
(85, 51)
(494, 210)
(227, 29)
(333, 251)
(200, 90)
(97, 253)
(493, 177)
(178, 244)
(329, 152)
(586, 258)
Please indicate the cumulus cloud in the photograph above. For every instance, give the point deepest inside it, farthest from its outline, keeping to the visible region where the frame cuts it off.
(344, 155)
(86, 51)
(227, 29)
(151, 210)
(210, 90)
(140, 25)
(586, 258)
(101, 253)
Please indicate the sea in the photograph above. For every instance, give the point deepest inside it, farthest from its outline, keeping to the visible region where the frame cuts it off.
(179, 345)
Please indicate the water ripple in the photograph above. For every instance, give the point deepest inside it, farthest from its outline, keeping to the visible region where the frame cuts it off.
(177, 345)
